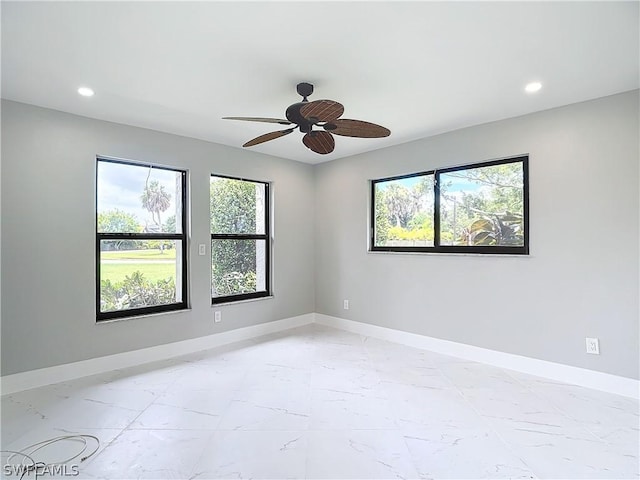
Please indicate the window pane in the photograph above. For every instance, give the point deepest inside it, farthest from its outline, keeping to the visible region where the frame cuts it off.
(134, 198)
(237, 206)
(139, 273)
(404, 212)
(483, 206)
(239, 266)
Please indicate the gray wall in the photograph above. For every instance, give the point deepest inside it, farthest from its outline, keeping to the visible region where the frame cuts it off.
(580, 280)
(48, 237)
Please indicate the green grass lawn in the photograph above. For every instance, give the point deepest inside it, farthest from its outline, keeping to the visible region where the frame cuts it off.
(151, 271)
(138, 260)
(151, 254)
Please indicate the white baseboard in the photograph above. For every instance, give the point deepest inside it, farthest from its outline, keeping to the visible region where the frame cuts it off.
(542, 368)
(61, 373)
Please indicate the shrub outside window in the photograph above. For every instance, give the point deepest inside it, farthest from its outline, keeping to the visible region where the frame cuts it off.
(240, 239)
(141, 240)
(479, 208)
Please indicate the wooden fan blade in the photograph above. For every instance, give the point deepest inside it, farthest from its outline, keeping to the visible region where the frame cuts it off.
(268, 136)
(322, 110)
(281, 121)
(356, 128)
(320, 142)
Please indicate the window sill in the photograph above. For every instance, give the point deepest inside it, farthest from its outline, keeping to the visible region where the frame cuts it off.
(145, 315)
(451, 254)
(246, 300)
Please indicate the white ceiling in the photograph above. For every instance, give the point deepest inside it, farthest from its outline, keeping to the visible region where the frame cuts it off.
(418, 68)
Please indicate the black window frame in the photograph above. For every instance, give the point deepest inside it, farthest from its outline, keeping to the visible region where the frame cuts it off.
(266, 236)
(437, 248)
(182, 237)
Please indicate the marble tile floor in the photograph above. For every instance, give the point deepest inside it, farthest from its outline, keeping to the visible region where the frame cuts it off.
(319, 403)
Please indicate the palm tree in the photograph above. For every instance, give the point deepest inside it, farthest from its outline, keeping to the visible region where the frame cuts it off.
(155, 199)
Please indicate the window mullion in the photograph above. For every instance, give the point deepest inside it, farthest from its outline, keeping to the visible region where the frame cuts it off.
(141, 236)
(238, 236)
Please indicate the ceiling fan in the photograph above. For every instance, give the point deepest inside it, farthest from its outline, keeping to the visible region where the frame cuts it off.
(322, 114)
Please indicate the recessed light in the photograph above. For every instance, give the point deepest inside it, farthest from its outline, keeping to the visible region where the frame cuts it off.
(533, 87)
(85, 92)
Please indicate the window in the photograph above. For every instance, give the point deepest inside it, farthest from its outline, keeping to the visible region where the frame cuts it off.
(480, 208)
(240, 247)
(141, 241)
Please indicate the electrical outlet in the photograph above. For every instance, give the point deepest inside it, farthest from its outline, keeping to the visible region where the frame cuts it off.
(202, 249)
(346, 305)
(217, 316)
(593, 346)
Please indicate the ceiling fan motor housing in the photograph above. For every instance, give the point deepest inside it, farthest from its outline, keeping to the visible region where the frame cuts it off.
(294, 116)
